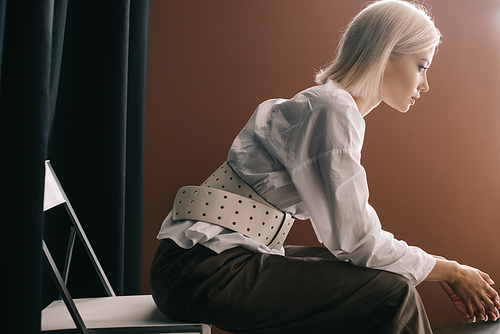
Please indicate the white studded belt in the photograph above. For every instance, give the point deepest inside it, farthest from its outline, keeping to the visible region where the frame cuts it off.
(225, 199)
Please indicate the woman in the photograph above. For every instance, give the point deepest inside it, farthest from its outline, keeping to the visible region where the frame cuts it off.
(221, 258)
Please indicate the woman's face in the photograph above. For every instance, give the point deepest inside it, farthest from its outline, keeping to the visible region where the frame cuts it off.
(405, 77)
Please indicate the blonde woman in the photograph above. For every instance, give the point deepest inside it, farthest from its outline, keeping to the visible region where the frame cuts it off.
(222, 260)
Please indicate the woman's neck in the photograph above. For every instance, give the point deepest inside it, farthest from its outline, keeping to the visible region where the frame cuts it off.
(365, 105)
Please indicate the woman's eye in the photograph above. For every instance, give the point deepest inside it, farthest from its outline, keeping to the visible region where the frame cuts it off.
(421, 68)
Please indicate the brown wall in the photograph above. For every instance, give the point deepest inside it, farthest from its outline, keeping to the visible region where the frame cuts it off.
(434, 173)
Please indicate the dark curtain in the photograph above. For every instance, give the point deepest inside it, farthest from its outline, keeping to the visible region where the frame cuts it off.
(72, 90)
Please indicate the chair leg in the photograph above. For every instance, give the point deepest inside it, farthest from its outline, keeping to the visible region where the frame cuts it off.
(69, 254)
(75, 315)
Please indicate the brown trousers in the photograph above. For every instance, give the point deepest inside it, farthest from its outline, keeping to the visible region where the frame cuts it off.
(307, 291)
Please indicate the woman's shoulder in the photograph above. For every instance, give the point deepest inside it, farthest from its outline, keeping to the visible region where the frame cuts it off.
(329, 102)
(323, 107)
(331, 94)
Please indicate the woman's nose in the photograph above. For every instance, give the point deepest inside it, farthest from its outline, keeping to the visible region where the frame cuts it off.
(424, 85)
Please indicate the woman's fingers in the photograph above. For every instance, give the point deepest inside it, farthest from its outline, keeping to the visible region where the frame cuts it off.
(492, 295)
(471, 310)
(495, 299)
(454, 298)
(473, 288)
(480, 309)
(491, 300)
(470, 291)
(492, 315)
(492, 309)
(486, 277)
(486, 306)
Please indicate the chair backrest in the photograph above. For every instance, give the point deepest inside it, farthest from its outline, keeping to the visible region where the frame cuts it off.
(54, 195)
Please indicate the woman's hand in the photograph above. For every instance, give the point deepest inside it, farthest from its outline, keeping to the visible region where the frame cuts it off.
(454, 298)
(460, 306)
(468, 288)
(473, 288)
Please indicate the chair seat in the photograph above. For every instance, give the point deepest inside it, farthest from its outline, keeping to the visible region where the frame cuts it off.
(135, 313)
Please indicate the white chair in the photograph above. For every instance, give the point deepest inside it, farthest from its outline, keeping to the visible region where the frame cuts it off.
(111, 314)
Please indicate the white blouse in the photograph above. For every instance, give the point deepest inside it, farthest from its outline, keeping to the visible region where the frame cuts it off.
(303, 156)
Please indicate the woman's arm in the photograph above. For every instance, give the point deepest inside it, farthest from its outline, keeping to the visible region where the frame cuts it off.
(468, 288)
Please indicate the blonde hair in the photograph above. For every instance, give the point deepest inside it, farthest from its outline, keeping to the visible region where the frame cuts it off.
(382, 29)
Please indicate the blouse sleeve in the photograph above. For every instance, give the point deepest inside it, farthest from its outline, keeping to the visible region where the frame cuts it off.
(333, 187)
(319, 143)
